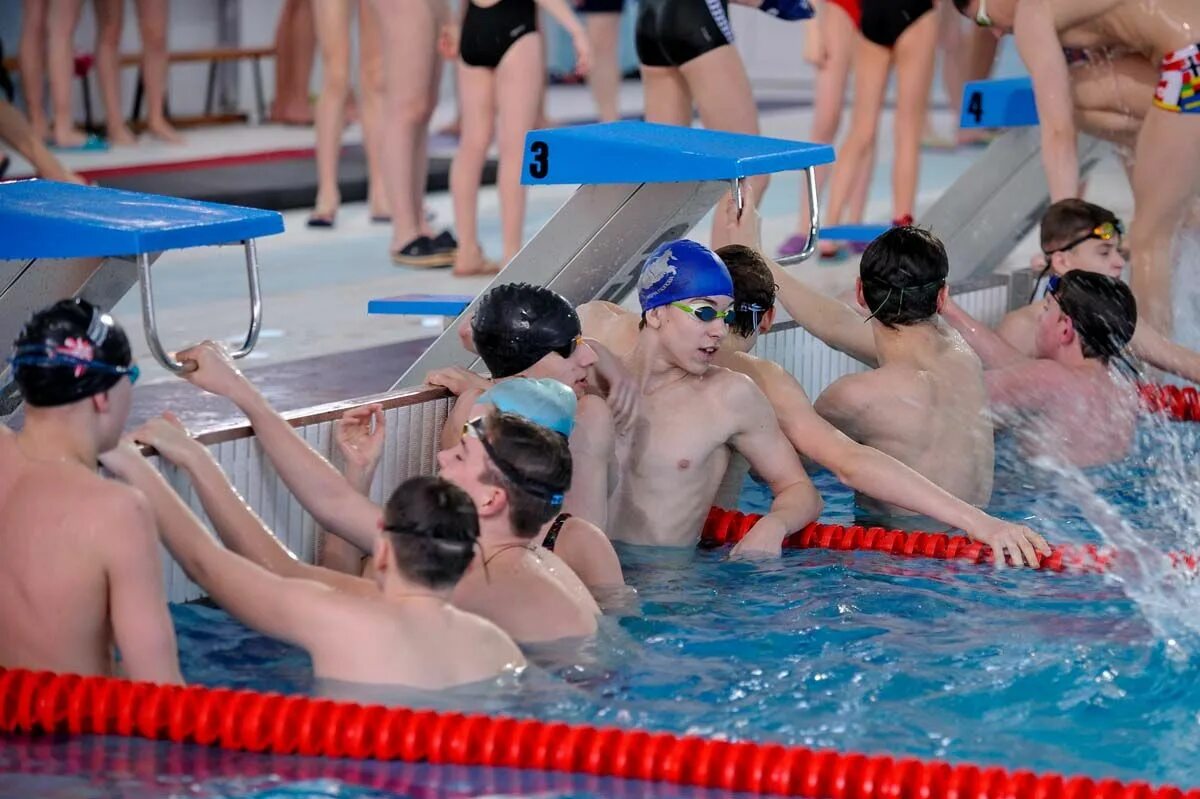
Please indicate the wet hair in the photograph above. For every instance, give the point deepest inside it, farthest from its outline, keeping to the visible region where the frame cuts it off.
(753, 287)
(1067, 220)
(517, 324)
(533, 466)
(68, 352)
(902, 273)
(1103, 311)
(433, 528)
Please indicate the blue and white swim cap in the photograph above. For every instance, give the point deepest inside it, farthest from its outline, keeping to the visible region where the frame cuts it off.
(680, 270)
(544, 402)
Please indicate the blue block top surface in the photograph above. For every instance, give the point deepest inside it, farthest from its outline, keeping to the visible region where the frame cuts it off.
(642, 152)
(1001, 103)
(45, 219)
(856, 233)
(420, 304)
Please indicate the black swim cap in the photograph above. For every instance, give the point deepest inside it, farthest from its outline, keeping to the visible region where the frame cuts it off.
(67, 352)
(1101, 308)
(518, 324)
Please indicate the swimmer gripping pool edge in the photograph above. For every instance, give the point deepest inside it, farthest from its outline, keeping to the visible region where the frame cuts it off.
(47, 703)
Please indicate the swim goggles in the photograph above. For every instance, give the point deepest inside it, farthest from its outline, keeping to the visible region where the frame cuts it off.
(706, 313)
(1105, 231)
(568, 349)
(475, 429)
(755, 310)
(37, 356)
(981, 16)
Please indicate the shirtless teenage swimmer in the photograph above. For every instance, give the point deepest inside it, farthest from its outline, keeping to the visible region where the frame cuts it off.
(81, 574)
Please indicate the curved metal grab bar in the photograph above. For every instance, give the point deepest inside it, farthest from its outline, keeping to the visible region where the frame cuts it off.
(150, 324)
(814, 223)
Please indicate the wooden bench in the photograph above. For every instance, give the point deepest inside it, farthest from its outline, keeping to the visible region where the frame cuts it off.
(213, 56)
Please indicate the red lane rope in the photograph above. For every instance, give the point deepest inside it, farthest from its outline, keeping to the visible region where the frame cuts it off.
(730, 526)
(42, 702)
(1180, 404)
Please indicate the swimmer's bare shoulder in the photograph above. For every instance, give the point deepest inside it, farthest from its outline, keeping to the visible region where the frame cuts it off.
(588, 551)
(853, 403)
(1019, 328)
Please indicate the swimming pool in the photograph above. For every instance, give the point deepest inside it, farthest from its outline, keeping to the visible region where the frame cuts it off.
(849, 651)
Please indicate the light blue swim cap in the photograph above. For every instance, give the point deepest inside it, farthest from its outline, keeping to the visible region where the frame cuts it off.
(679, 270)
(544, 402)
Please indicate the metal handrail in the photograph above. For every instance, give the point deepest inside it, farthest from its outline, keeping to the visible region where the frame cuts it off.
(150, 323)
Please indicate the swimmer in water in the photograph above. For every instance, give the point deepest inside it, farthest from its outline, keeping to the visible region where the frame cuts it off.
(693, 415)
(883, 482)
(81, 576)
(1080, 235)
(520, 330)
(924, 404)
(1069, 402)
(549, 403)
(376, 631)
(514, 471)
(1166, 169)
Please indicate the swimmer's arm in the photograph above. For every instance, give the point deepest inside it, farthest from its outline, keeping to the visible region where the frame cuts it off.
(319, 486)
(591, 444)
(276, 606)
(321, 489)
(861, 467)
(759, 439)
(1041, 50)
(564, 16)
(1159, 351)
(464, 409)
(243, 532)
(141, 621)
(832, 321)
(994, 351)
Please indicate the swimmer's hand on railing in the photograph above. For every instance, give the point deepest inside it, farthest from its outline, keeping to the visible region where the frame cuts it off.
(361, 443)
(1020, 543)
(743, 229)
(764, 540)
(619, 386)
(169, 438)
(209, 367)
(457, 380)
(126, 462)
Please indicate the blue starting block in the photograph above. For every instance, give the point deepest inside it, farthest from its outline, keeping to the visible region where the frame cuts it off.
(43, 219)
(644, 152)
(1000, 103)
(855, 232)
(449, 305)
(639, 185)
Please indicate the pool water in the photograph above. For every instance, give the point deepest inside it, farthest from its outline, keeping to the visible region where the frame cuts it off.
(851, 651)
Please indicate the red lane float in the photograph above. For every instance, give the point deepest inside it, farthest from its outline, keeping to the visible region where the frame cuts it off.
(730, 526)
(42, 702)
(1180, 404)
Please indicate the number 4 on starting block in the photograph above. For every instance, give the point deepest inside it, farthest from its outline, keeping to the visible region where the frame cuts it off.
(1003, 103)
